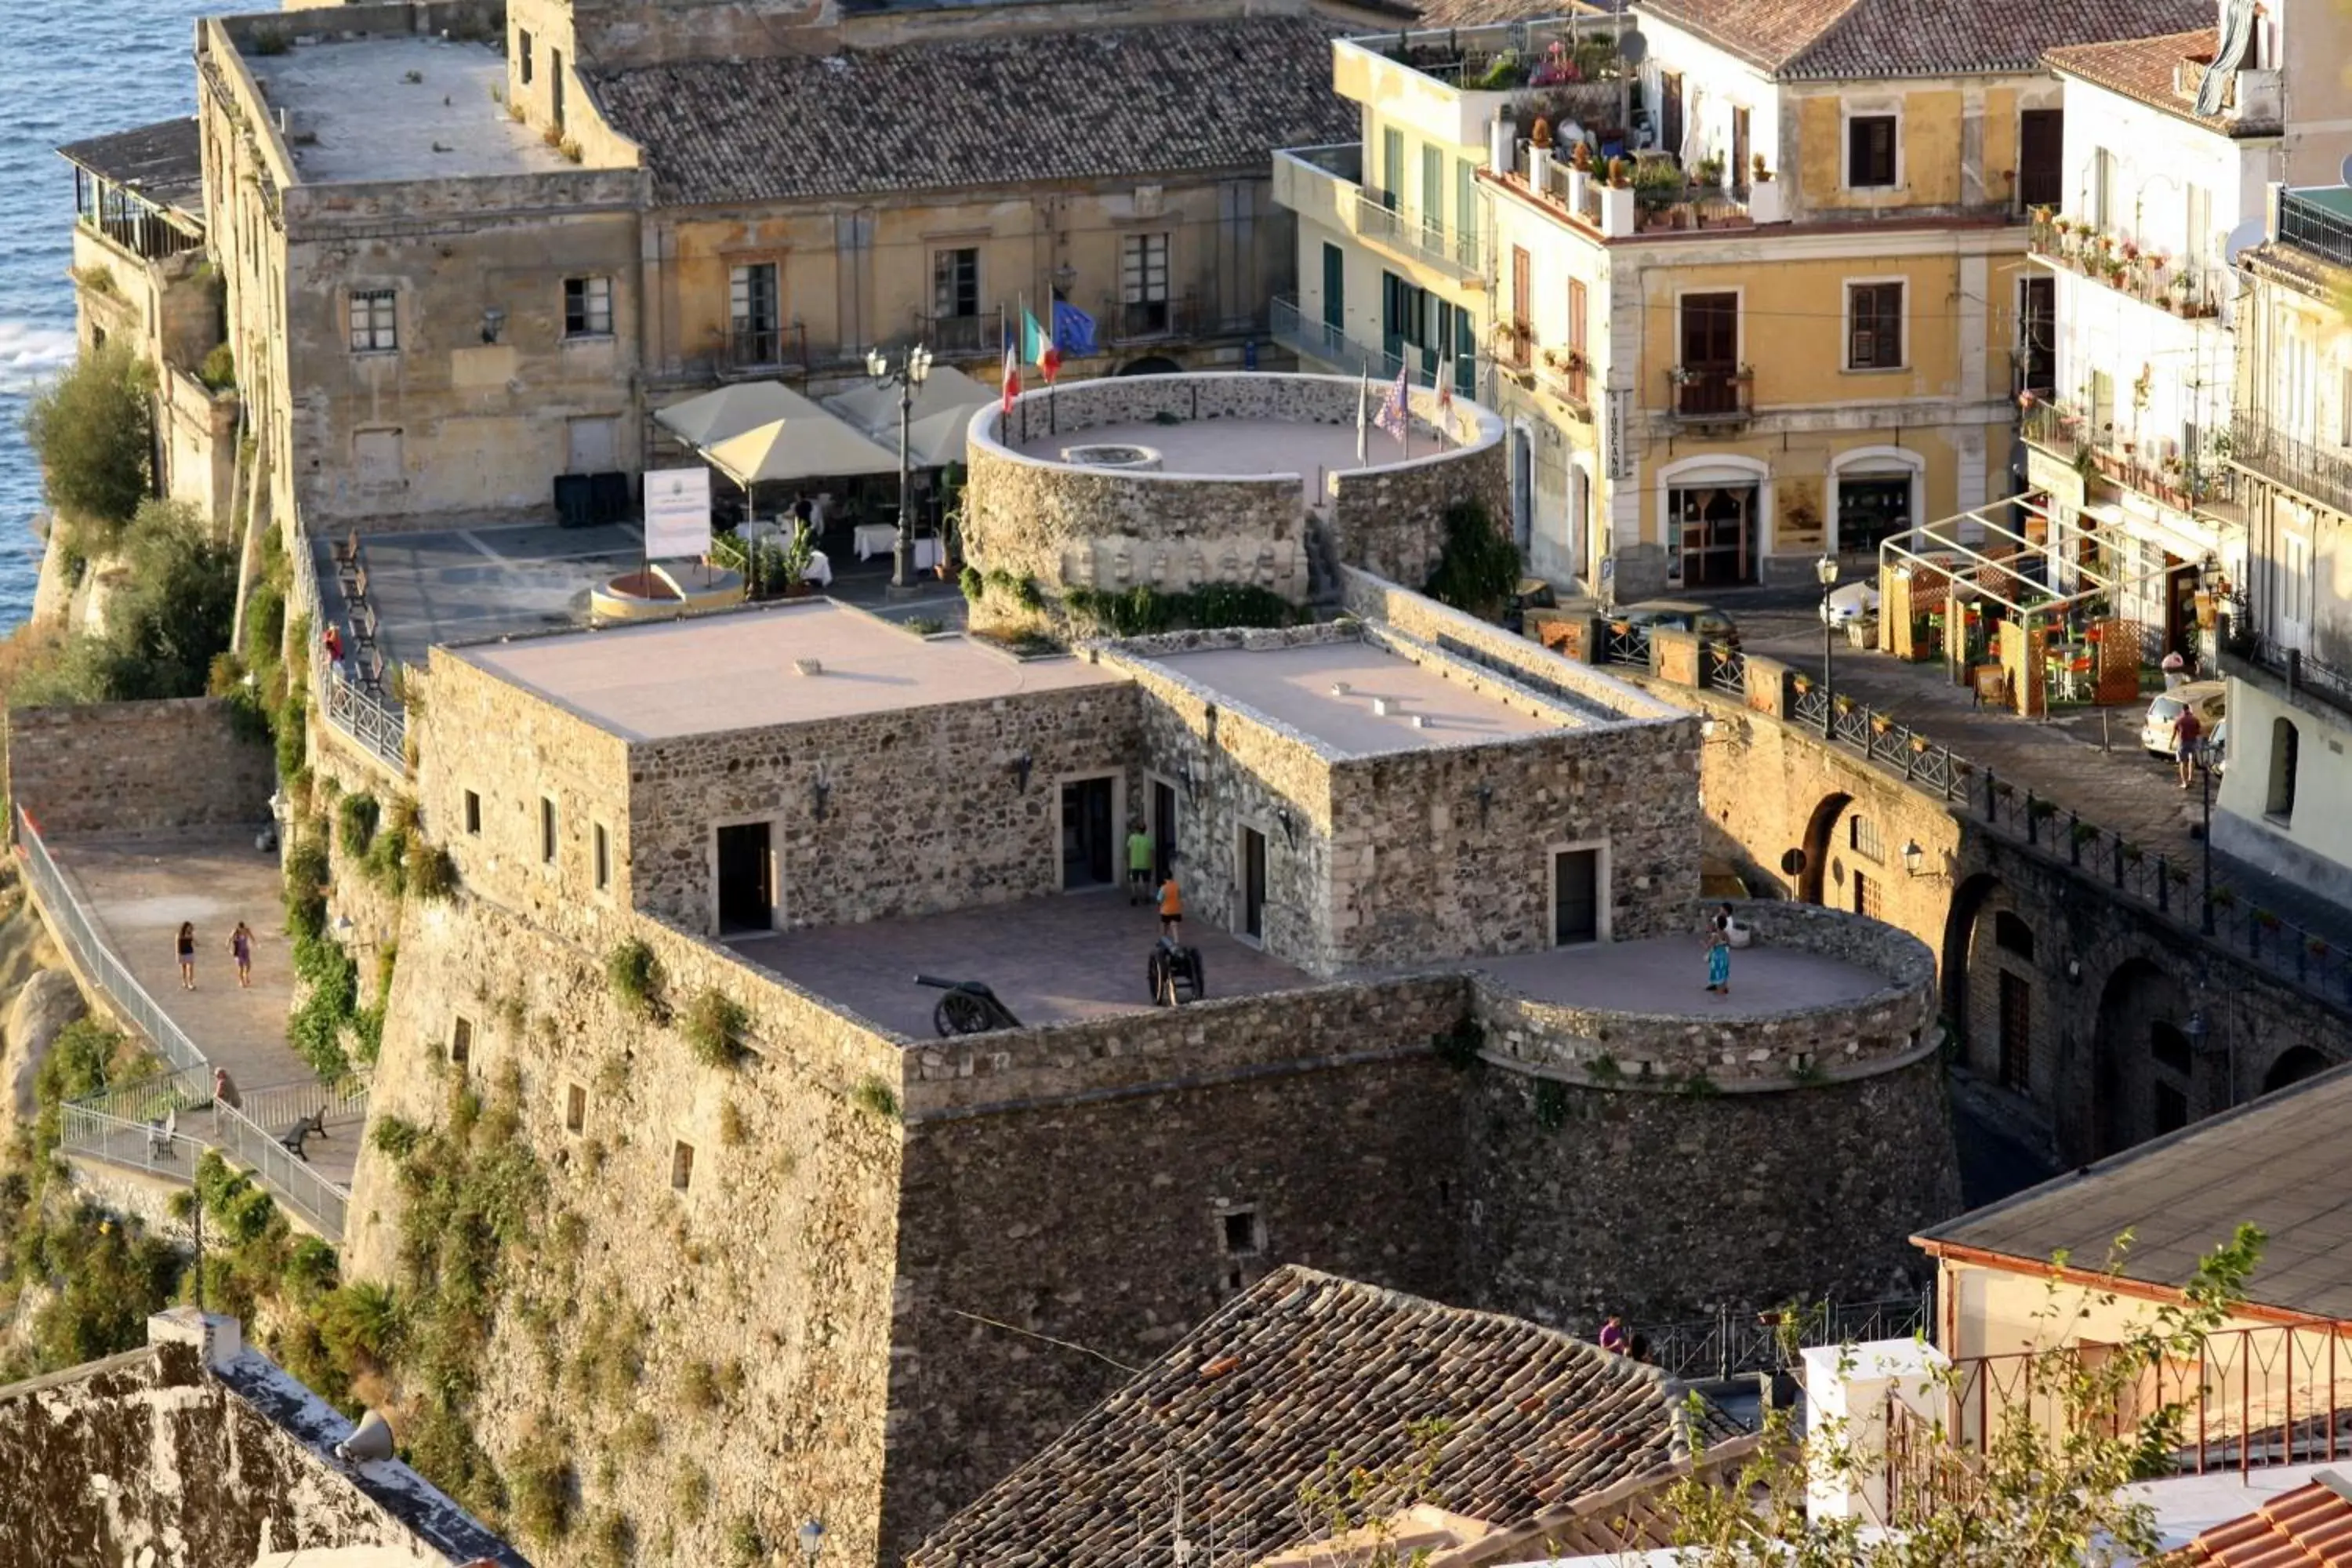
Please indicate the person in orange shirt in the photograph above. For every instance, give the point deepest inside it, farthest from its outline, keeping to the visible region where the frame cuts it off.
(1172, 907)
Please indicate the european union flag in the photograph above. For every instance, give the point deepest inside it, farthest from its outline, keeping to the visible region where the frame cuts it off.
(1074, 330)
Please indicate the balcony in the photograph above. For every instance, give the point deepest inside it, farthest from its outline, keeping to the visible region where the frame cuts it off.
(977, 336)
(2268, 453)
(2156, 468)
(758, 347)
(1416, 239)
(1149, 320)
(1655, 198)
(1330, 345)
(1448, 84)
(1320, 184)
(1718, 397)
(2152, 276)
(2318, 222)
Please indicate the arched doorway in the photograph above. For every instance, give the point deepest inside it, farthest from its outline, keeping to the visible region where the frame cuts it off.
(2294, 1065)
(1969, 900)
(2144, 1082)
(1820, 834)
(1151, 365)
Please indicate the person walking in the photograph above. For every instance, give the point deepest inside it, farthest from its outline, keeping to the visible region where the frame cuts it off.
(187, 946)
(1613, 1335)
(1172, 907)
(1718, 954)
(2187, 734)
(333, 639)
(225, 1090)
(240, 947)
(1139, 863)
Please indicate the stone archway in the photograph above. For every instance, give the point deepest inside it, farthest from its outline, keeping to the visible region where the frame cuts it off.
(1969, 900)
(1819, 835)
(2294, 1065)
(2144, 1079)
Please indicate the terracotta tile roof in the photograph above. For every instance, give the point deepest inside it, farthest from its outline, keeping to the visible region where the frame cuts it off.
(1122, 102)
(1303, 1366)
(164, 162)
(2143, 69)
(2310, 1527)
(1861, 39)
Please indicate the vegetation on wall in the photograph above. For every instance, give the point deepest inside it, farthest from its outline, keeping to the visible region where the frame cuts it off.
(1478, 567)
(165, 624)
(1143, 610)
(93, 429)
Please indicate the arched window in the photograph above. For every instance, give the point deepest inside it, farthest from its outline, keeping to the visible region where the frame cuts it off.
(2285, 743)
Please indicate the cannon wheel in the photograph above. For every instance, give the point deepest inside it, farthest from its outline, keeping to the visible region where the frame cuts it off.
(1155, 976)
(960, 1013)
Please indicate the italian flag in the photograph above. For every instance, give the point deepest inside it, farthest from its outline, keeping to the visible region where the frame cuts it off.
(1037, 346)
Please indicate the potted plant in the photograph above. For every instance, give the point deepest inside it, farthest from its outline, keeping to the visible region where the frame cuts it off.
(1541, 135)
(793, 558)
(1619, 175)
(1581, 158)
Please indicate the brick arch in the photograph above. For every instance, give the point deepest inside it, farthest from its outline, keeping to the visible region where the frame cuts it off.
(1820, 832)
(2294, 1065)
(1969, 900)
(2139, 1057)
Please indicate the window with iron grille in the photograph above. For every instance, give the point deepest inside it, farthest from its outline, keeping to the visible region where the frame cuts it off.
(375, 323)
(587, 307)
(1866, 897)
(955, 283)
(1870, 151)
(1874, 326)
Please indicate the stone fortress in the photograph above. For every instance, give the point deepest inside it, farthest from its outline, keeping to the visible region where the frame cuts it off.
(1454, 1041)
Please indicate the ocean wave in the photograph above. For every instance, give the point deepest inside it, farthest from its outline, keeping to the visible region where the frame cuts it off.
(30, 354)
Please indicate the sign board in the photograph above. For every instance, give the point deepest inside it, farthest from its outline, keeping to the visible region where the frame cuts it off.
(2054, 479)
(678, 513)
(1618, 441)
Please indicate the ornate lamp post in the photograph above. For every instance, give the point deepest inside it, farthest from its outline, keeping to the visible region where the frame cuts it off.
(912, 372)
(1825, 573)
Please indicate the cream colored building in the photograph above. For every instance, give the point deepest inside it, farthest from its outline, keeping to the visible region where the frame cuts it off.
(1794, 329)
(2169, 144)
(2285, 800)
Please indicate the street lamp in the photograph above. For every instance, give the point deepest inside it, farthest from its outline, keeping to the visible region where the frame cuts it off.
(812, 1539)
(912, 372)
(1825, 572)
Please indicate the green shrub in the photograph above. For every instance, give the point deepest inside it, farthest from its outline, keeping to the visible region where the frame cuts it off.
(1478, 567)
(1026, 595)
(689, 1494)
(93, 431)
(293, 743)
(394, 1136)
(386, 864)
(306, 871)
(714, 1026)
(744, 1542)
(355, 822)
(972, 583)
(309, 1270)
(635, 976)
(164, 628)
(432, 874)
(698, 1386)
(540, 1481)
(876, 1098)
(218, 371)
(612, 1540)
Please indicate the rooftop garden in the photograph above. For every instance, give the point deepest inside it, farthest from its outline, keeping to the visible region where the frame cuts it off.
(1507, 60)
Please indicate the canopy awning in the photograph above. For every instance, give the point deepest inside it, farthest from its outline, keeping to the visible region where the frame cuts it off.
(937, 423)
(720, 415)
(817, 445)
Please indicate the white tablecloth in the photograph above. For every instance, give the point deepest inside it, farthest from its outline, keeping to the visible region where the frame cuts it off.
(875, 539)
(820, 570)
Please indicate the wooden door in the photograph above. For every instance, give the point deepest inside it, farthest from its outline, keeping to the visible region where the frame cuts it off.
(1522, 304)
(2041, 157)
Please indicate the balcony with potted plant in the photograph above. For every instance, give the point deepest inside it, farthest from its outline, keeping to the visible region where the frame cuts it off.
(2152, 276)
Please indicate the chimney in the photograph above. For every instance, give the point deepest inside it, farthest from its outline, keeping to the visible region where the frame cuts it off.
(1848, 1390)
(217, 1337)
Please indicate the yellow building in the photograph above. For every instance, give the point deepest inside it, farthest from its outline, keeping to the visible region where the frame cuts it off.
(1788, 325)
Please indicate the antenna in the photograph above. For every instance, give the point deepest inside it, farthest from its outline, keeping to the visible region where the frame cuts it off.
(2244, 237)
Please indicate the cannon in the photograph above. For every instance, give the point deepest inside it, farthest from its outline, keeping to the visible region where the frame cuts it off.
(969, 1007)
(1174, 973)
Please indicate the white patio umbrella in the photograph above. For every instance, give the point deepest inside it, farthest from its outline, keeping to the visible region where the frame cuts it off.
(817, 446)
(942, 412)
(717, 416)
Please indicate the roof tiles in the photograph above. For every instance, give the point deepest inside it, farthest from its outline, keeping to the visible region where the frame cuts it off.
(2310, 1527)
(1008, 109)
(1861, 39)
(1304, 1366)
(2143, 69)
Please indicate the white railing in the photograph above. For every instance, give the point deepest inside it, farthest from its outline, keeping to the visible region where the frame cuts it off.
(289, 1178)
(138, 1145)
(377, 726)
(95, 959)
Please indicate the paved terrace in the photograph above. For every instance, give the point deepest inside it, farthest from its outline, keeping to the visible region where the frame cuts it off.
(1668, 975)
(1242, 448)
(1302, 687)
(140, 888)
(1051, 960)
(463, 583)
(397, 108)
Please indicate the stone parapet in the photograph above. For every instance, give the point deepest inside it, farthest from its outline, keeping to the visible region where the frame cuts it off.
(1688, 1051)
(138, 767)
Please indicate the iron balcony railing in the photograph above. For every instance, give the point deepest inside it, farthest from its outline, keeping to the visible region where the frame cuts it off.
(377, 724)
(2263, 449)
(977, 336)
(1711, 395)
(1331, 345)
(2305, 675)
(1725, 669)
(1733, 1343)
(1626, 644)
(1379, 218)
(2308, 226)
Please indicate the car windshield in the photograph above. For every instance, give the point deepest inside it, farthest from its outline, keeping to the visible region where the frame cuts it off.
(2164, 708)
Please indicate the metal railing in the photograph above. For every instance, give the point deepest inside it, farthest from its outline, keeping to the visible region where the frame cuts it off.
(1724, 668)
(2321, 230)
(1733, 1343)
(1380, 218)
(119, 1140)
(1626, 644)
(378, 725)
(94, 958)
(1709, 394)
(978, 335)
(1321, 341)
(99, 1127)
(2263, 449)
(2305, 675)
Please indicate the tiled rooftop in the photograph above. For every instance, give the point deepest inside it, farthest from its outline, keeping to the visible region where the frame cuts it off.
(1862, 40)
(2277, 1162)
(2144, 69)
(164, 162)
(736, 671)
(1304, 1365)
(2310, 1527)
(1008, 109)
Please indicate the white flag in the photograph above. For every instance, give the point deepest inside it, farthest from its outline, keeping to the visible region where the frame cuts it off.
(1363, 413)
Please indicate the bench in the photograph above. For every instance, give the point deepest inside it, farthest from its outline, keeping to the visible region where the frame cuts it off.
(372, 672)
(312, 1126)
(346, 553)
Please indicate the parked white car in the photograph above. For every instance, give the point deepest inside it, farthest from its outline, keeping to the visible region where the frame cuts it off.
(1855, 601)
(2208, 697)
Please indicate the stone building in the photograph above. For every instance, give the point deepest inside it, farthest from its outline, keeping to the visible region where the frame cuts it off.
(1443, 882)
(143, 279)
(197, 1452)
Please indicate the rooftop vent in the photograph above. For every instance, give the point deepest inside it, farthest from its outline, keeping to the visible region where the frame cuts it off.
(1421, 720)
(1338, 688)
(1388, 707)
(808, 666)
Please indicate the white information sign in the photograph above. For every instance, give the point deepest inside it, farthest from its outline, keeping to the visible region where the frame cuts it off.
(678, 513)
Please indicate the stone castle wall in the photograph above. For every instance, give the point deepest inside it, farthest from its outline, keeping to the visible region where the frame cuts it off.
(137, 767)
(1798, 1044)
(1389, 520)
